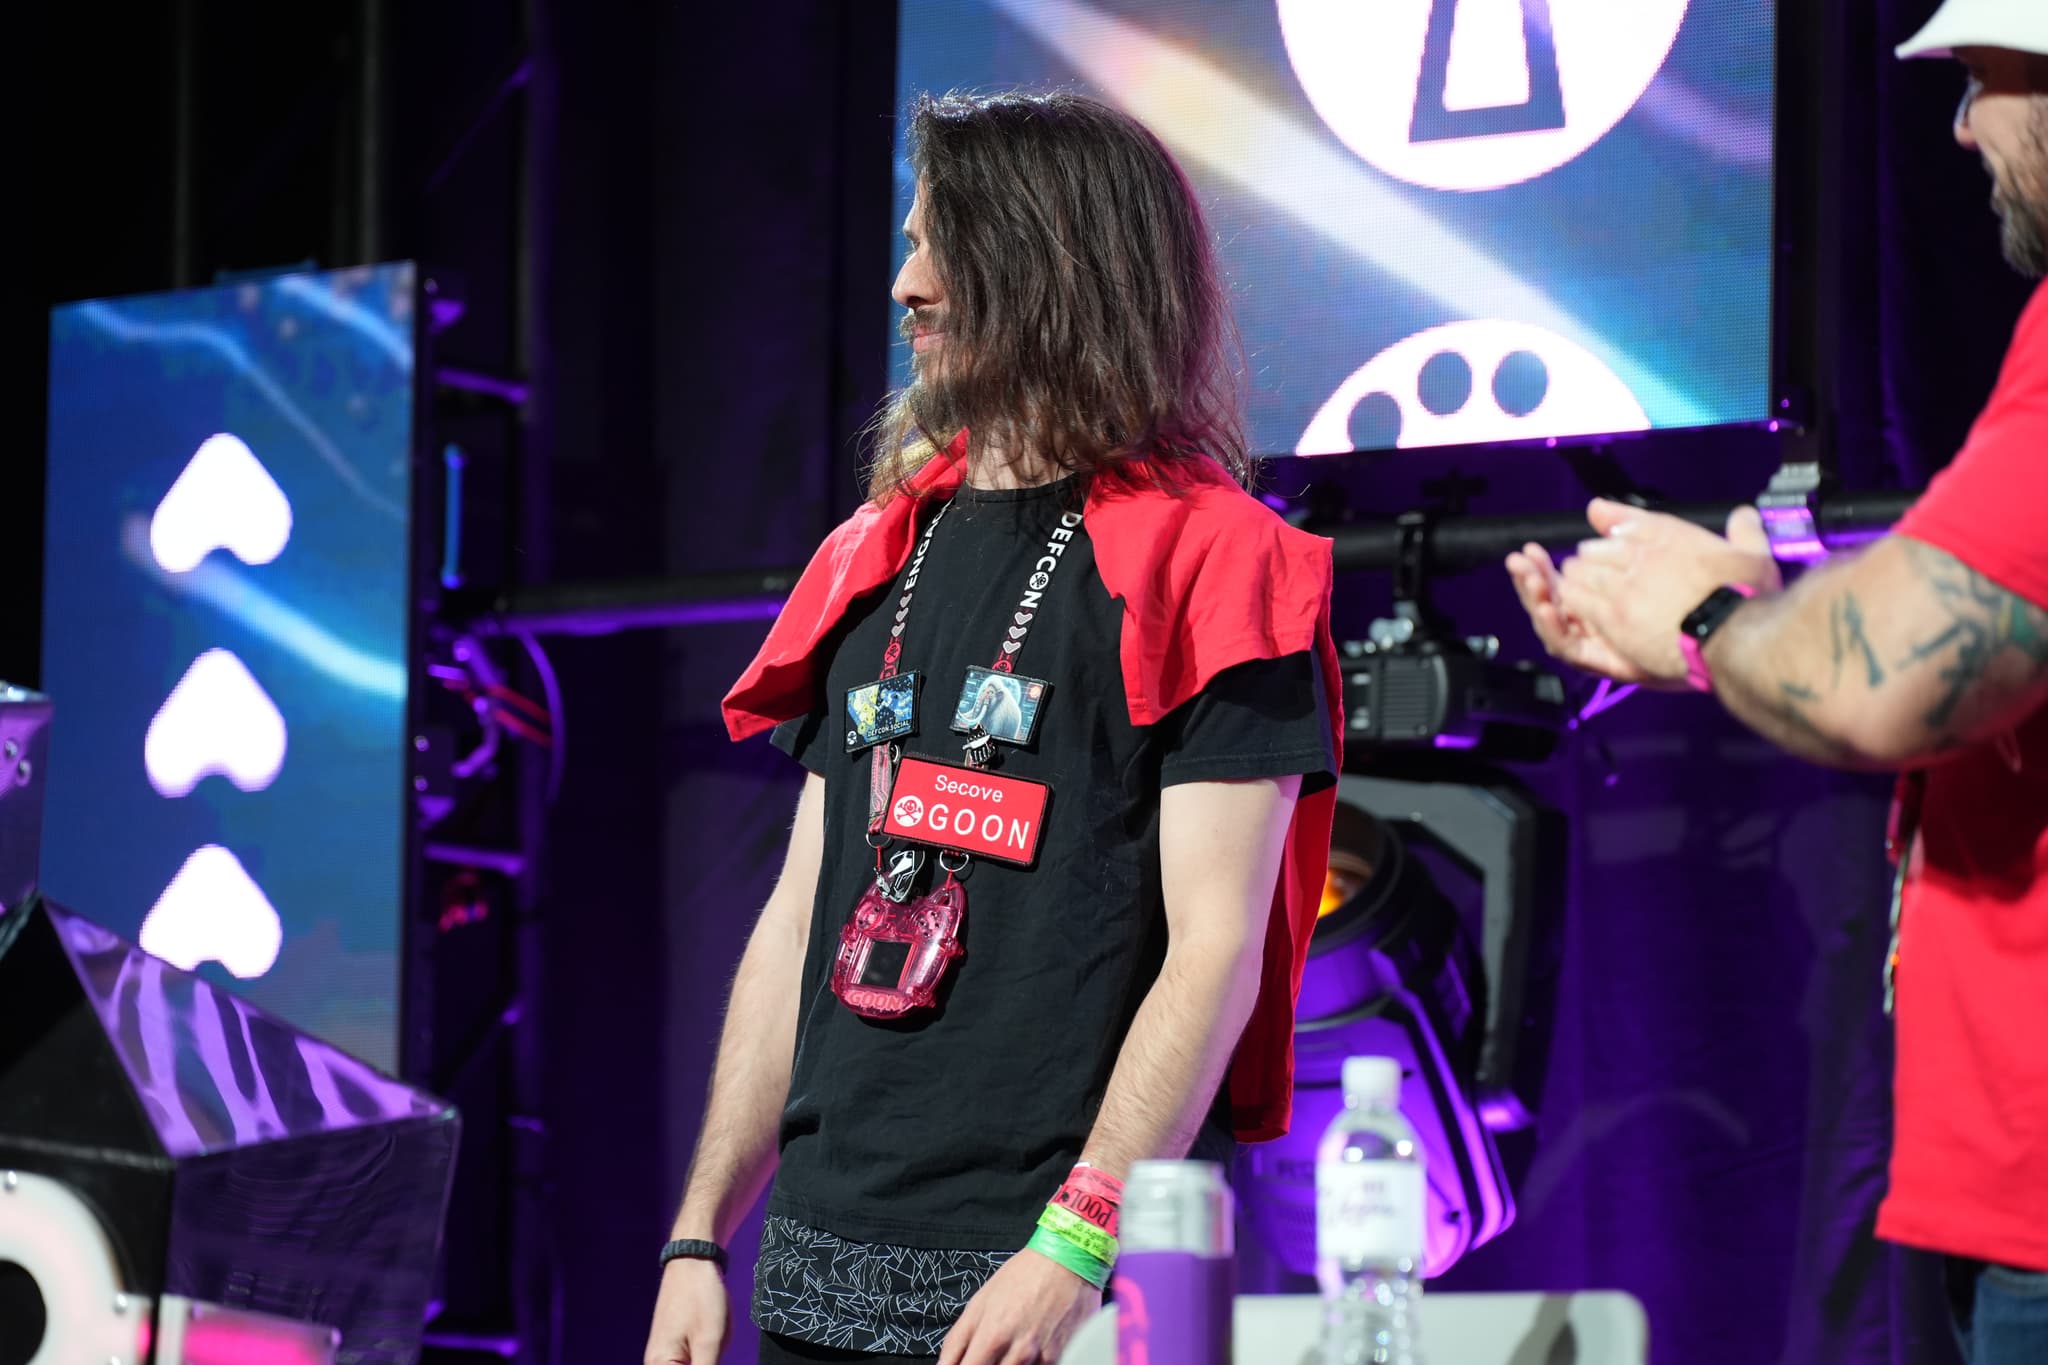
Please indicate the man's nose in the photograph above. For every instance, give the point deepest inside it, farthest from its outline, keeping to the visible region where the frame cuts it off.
(912, 290)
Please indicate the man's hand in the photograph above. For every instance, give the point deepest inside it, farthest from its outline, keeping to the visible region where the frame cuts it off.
(1566, 638)
(1630, 589)
(1024, 1315)
(690, 1315)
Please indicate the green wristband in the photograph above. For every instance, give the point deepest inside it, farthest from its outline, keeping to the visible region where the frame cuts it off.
(1072, 1227)
(1064, 1253)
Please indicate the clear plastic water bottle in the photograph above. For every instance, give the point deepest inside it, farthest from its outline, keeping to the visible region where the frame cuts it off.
(1369, 1211)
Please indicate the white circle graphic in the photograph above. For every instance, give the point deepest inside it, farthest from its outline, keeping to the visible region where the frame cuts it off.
(1478, 382)
(1475, 94)
(909, 812)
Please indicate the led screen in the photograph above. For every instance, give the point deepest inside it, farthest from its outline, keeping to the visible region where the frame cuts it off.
(225, 634)
(1443, 221)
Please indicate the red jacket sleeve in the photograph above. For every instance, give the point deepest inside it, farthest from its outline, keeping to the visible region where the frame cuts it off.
(1210, 578)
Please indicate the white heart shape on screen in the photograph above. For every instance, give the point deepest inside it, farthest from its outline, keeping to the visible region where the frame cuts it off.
(218, 719)
(213, 911)
(224, 499)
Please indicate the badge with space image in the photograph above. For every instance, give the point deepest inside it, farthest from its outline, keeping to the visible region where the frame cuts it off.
(881, 711)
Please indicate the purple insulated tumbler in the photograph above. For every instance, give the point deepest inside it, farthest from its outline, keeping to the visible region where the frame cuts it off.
(1175, 1271)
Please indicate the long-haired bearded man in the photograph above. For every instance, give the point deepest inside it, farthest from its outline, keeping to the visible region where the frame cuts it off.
(997, 970)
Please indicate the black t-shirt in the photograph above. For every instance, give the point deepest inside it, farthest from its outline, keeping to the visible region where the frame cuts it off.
(953, 1128)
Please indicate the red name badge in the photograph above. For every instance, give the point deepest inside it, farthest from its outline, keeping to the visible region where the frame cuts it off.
(967, 809)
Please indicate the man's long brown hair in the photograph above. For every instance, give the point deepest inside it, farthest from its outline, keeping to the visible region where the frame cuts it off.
(1084, 317)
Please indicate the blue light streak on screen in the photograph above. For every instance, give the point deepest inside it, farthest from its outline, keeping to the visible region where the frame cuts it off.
(302, 779)
(1392, 190)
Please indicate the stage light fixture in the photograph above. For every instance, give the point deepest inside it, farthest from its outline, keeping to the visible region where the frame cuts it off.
(1394, 971)
(1454, 695)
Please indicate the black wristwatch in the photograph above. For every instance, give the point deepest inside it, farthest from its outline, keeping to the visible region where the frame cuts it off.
(1704, 620)
(687, 1249)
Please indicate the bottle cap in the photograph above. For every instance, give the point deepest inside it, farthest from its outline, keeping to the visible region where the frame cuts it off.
(1373, 1078)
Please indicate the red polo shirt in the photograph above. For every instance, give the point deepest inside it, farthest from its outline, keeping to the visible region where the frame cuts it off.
(1969, 1172)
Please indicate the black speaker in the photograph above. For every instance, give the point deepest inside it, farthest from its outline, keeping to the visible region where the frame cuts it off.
(184, 1178)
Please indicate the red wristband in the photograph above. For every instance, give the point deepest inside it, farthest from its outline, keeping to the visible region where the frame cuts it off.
(1100, 1181)
(1093, 1195)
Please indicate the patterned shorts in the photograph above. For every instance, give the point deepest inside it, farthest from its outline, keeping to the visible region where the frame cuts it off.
(862, 1296)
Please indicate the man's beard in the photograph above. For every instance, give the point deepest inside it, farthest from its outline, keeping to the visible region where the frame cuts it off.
(2022, 203)
(2025, 234)
(933, 401)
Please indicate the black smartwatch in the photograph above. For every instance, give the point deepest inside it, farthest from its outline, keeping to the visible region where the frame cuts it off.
(1705, 619)
(687, 1249)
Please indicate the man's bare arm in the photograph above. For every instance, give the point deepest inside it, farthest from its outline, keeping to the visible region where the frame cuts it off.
(1219, 850)
(1893, 658)
(1220, 845)
(749, 1085)
(750, 1080)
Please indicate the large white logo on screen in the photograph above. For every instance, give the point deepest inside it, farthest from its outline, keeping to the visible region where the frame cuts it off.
(1473, 382)
(1475, 94)
(213, 911)
(225, 499)
(218, 719)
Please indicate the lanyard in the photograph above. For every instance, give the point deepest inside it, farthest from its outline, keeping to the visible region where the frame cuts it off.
(893, 653)
(1901, 837)
(1035, 587)
(882, 760)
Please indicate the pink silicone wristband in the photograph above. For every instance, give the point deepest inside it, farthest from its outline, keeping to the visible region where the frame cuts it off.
(1698, 676)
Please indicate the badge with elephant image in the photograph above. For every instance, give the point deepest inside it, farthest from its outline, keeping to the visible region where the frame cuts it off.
(1003, 706)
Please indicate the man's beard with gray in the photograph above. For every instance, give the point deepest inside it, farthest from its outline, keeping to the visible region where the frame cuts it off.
(2022, 204)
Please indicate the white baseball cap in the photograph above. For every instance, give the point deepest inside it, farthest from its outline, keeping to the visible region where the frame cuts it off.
(2017, 25)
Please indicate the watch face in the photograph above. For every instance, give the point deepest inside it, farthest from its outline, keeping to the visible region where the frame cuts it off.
(1707, 617)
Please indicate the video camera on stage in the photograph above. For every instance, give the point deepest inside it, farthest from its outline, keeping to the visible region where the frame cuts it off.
(1415, 683)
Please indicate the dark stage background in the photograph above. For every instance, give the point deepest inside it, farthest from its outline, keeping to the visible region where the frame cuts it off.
(677, 227)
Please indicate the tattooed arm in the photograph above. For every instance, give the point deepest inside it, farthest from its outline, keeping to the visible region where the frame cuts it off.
(1888, 659)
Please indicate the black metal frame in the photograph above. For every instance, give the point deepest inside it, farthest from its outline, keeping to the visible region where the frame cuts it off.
(416, 944)
(1806, 283)
(1449, 544)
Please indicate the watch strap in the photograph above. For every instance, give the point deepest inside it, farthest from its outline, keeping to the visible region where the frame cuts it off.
(1699, 626)
(691, 1249)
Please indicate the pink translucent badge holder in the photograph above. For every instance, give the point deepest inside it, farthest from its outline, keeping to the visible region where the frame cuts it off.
(929, 926)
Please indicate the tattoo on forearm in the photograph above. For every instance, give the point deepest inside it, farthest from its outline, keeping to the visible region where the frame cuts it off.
(1985, 622)
(1795, 729)
(1986, 649)
(1846, 633)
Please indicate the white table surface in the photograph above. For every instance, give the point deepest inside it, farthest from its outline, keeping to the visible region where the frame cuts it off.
(1591, 1328)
